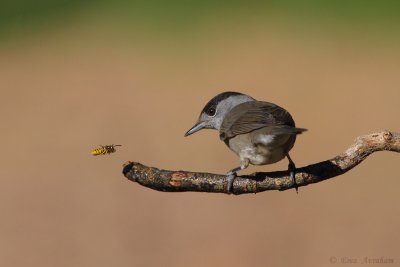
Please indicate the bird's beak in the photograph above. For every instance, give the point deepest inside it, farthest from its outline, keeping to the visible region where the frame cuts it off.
(197, 127)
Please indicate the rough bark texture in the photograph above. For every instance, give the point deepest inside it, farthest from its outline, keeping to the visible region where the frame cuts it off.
(179, 181)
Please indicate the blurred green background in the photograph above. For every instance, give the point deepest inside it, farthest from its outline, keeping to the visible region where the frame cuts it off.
(77, 74)
(179, 16)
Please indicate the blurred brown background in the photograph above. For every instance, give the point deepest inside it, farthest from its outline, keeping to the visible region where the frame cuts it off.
(71, 81)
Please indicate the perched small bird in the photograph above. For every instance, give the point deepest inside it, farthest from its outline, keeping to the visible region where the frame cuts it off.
(102, 150)
(258, 132)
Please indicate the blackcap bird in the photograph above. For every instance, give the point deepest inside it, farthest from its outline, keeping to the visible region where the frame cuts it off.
(258, 132)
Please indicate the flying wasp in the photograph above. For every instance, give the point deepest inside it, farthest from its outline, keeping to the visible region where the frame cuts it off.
(107, 149)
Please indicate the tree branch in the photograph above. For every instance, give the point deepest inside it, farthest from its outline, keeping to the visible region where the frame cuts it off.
(179, 181)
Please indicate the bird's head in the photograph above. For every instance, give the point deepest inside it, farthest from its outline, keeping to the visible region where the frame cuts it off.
(214, 112)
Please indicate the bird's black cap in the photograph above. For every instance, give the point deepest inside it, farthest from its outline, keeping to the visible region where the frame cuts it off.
(212, 104)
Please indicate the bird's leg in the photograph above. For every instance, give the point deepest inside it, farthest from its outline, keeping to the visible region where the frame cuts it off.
(231, 175)
(292, 170)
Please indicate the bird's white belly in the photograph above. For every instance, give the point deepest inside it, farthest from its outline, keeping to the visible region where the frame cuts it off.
(269, 149)
(262, 156)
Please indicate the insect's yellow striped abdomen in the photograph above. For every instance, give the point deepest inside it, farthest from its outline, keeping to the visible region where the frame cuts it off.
(108, 149)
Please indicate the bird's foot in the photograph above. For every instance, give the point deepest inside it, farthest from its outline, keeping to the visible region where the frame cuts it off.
(230, 176)
(292, 170)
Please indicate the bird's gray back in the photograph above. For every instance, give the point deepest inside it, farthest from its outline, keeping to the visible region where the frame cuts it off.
(253, 115)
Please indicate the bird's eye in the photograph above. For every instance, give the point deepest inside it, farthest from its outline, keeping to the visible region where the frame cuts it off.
(211, 111)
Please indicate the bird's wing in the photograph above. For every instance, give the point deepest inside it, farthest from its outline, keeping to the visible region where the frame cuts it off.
(253, 115)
